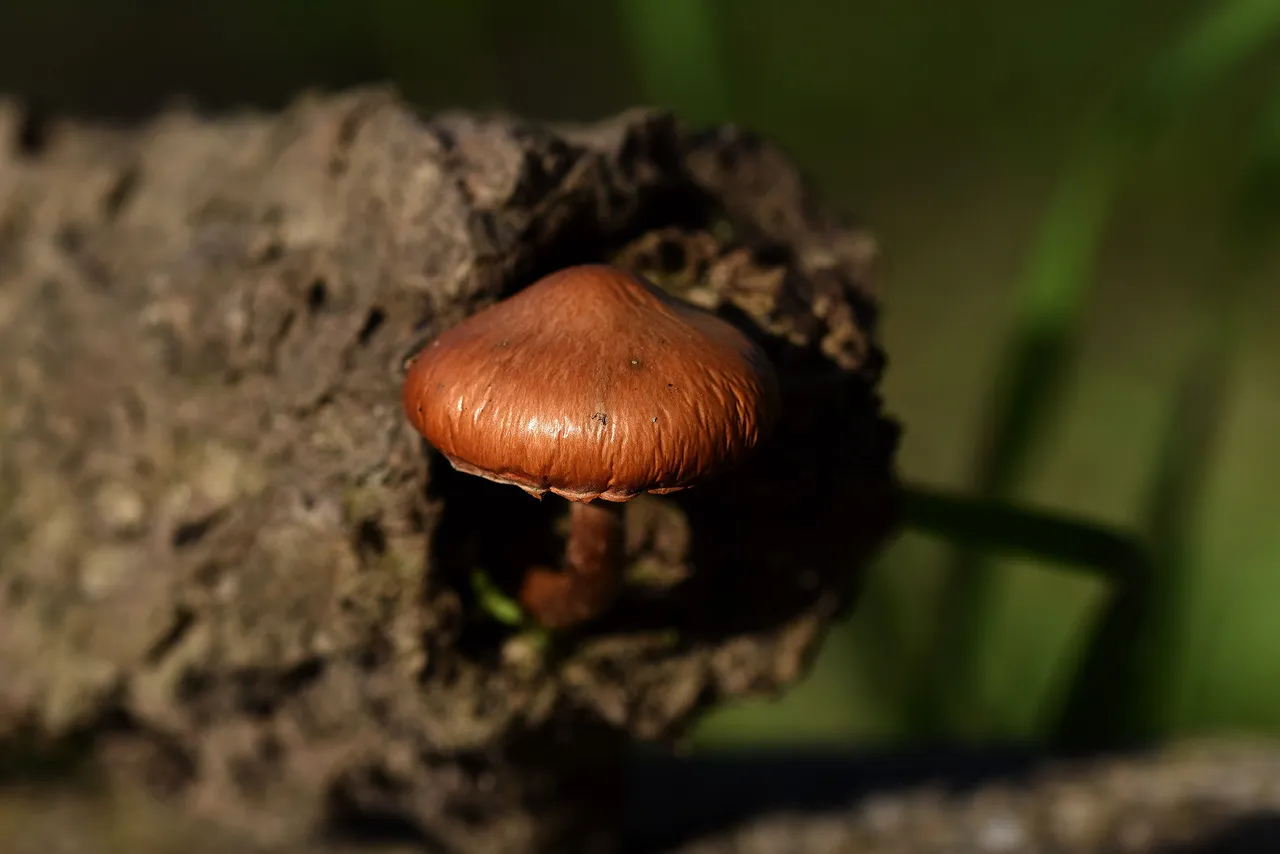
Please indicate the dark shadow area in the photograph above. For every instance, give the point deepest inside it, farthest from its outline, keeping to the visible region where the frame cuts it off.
(32, 133)
(491, 528)
(797, 521)
(1257, 834)
(658, 195)
(768, 539)
(351, 820)
(496, 528)
(28, 758)
(128, 59)
(32, 757)
(371, 807)
(674, 800)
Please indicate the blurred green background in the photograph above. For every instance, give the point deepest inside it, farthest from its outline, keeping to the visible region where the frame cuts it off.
(1077, 204)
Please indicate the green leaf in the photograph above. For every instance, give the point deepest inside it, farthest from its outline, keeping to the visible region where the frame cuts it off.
(1001, 527)
(492, 601)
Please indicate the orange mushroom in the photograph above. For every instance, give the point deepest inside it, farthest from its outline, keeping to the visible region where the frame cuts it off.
(591, 384)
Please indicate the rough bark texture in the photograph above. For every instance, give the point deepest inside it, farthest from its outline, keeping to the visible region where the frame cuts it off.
(232, 577)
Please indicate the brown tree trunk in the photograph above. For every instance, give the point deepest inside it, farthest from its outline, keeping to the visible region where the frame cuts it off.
(230, 575)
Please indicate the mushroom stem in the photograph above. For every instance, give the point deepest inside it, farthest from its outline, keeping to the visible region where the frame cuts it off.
(589, 582)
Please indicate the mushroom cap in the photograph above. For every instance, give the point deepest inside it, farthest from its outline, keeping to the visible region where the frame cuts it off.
(592, 383)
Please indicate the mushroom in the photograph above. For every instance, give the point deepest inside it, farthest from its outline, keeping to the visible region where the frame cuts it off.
(596, 386)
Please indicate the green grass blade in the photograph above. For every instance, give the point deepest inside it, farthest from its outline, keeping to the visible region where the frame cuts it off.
(1000, 527)
(1257, 210)
(1125, 687)
(1227, 35)
(1133, 679)
(1054, 290)
(1253, 224)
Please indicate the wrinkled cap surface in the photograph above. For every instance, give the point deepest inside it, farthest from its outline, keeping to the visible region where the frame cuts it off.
(592, 383)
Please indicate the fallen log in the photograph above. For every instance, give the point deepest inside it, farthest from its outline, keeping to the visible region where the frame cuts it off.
(234, 579)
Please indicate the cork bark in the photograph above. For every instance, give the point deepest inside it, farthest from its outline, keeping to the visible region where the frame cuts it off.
(232, 578)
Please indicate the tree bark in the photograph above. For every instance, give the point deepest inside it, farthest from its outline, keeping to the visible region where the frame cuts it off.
(232, 578)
